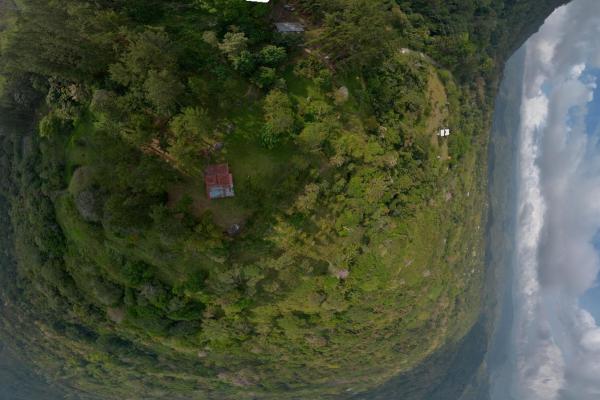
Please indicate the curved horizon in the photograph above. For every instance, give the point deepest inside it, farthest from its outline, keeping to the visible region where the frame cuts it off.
(555, 342)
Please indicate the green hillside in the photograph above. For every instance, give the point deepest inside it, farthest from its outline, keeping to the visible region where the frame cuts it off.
(353, 248)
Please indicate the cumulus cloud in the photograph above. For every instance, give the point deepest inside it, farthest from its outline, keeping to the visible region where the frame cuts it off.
(556, 343)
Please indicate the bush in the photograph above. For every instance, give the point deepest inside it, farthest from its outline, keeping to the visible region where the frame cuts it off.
(312, 136)
(245, 63)
(51, 126)
(190, 312)
(104, 101)
(107, 293)
(272, 55)
(279, 118)
(265, 77)
(233, 44)
(162, 89)
(136, 272)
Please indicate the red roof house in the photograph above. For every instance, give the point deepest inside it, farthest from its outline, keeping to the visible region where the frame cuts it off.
(218, 181)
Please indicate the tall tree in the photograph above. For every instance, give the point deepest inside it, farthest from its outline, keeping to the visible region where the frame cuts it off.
(356, 33)
(191, 135)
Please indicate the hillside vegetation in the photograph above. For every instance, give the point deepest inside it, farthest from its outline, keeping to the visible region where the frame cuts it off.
(360, 249)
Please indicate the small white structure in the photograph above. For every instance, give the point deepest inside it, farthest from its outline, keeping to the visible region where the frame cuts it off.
(259, 1)
(444, 132)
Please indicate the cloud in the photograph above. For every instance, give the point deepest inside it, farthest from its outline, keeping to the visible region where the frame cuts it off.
(556, 343)
(591, 340)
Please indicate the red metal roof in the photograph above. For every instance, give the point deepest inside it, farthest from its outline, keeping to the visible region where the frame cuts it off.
(218, 181)
(217, 169)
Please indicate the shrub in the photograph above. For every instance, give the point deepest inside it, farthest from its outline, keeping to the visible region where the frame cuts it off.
(272, 55)
(245, 63)
(279, 118)
(312, 136)
(265, 77)
(51, 125)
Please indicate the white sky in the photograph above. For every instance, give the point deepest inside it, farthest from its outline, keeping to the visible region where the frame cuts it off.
(556, 342)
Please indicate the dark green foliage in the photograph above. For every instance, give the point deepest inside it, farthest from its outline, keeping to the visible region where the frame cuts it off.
(128, 212)
(162, 89)
(191, 134)
(272, 55)
(190, 312)
(52, 125)
(355, 32)
(245, 63)
(397, 89)
(144, 11)
(136, 272)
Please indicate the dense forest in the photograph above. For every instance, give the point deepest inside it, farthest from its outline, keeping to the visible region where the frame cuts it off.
(353, 248)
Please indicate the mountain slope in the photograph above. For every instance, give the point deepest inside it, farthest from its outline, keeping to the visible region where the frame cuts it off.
(360, 243)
